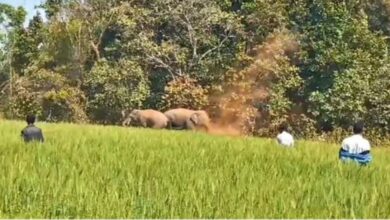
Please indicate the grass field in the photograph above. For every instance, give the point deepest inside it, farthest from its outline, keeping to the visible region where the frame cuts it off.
(110, 172)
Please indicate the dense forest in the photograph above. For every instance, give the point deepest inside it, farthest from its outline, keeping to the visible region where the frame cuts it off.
(318, 65)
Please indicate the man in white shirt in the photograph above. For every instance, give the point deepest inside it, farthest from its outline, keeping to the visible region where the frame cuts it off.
(284, 138)
(356, 148)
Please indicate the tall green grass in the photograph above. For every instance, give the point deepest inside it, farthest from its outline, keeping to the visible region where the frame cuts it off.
(110, 172)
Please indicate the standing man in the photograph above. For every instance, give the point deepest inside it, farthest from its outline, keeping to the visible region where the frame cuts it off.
(284, 138)
(31, 133)
(356, 147)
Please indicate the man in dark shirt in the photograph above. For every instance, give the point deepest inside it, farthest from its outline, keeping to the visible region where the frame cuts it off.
(32, 133)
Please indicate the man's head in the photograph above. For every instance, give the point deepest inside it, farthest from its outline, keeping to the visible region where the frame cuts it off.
(30, 119)
(283, 127)
(358, 128)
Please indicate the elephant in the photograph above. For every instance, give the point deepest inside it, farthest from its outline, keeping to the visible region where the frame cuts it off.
(181, 118)
(178, 117)
(147, 118)
(199, 120)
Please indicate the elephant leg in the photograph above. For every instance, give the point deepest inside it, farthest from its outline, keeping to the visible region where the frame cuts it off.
(158, 125)
(205, 128)
(143, 122)
(169, 125)
(175, 126)
(190, 125)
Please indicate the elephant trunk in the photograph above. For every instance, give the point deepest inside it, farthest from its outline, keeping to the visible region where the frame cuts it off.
(126, 122)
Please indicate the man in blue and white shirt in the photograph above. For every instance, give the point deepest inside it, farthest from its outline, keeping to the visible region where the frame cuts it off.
(356, 147)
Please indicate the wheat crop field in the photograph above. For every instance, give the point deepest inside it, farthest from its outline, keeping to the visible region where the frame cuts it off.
(86, 171)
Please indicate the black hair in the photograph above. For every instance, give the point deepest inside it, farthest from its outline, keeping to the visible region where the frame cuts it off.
(30, 119)
(358, 127)
(283, 127)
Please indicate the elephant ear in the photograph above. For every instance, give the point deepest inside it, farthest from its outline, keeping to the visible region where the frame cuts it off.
(195, 118)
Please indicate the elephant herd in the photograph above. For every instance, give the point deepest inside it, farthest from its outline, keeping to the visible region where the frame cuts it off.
(179, 118)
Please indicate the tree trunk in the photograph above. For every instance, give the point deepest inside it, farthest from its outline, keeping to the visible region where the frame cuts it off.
(95, 48)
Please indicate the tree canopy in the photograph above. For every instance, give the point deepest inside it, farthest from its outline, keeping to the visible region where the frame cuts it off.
(318, 65)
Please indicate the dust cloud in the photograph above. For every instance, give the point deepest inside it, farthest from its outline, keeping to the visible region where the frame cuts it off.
(236, 110)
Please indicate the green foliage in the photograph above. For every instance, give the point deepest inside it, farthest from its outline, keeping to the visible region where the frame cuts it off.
(261, 18)
(166, 53)
(339, 58)
(23, 101)
(66, 104)
(21, 49)
(379, 11)
(52, 7)
(25, 43)
(184, 92)
(13, 16)
(59, 100)
(48, 95)
(283, 106)
(182, 42)
(113, 87)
